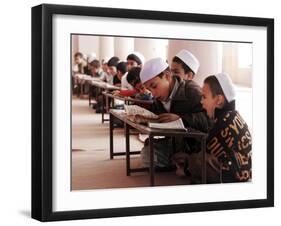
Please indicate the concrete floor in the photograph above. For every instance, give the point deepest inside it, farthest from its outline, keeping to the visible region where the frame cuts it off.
(91, 165)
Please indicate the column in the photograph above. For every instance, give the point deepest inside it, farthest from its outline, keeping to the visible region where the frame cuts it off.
(89, 44)
(151, 48)
(106, 47)
(75, 44)
(123, 47)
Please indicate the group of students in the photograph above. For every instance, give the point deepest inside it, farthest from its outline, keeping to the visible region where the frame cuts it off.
(209, 109)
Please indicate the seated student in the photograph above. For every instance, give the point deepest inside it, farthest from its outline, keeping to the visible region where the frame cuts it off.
(80, 64)
(185, 65)
(121, 72)
(80, 67)
(134, 59)
(174, 98)
(229, 141)
(104, 65)
(91, 69)
(111, 69)
(95, 72)
(95, 69)
(90, 58)
(111, 79)
(140, 92)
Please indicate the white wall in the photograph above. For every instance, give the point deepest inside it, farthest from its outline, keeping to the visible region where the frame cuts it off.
(123, 47)
(151, 48)
(230, 64)
(16, 124)
(89, 44)
(75, 44)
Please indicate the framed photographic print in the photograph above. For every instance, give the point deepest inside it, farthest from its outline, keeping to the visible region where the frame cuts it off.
(145, 112)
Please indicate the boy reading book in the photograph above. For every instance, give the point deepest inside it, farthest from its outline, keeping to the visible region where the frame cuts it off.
(174, 98)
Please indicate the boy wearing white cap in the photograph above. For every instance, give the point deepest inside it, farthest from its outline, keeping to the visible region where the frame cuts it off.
(185, 65)
(229, 141)
(174, 98)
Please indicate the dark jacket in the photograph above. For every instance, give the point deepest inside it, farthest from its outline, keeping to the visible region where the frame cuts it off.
(186, 104)
(230, 142)
(83, 69)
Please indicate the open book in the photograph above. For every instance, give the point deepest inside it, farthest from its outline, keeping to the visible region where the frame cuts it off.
(132, 110)
(174, 125)
(141, 115)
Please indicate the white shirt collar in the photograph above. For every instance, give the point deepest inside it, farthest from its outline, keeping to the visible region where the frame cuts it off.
(167, 103)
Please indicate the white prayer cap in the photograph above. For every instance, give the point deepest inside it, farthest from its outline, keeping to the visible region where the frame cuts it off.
(226, 85)
(189, 59)
(91, 57)
(152, 68)
(85, 56)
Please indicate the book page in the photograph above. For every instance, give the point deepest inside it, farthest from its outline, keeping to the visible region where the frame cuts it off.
(177, 124)
(137, 110)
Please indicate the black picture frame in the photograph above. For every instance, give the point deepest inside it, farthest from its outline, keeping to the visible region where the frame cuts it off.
(42, 107)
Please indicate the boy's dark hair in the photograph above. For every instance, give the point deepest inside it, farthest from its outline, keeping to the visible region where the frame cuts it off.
(134, 58)
(122, 67)
(78, 54)
(162, 73)
(95, 64)
(215, 86)
(133, 76)
(184, 66)
(113, 61)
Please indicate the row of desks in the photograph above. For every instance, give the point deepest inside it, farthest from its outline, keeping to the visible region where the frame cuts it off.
(126, 100)
(129, 125)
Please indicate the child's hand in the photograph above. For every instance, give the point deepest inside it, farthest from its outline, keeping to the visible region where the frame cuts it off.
(167, 117)
(115, 92)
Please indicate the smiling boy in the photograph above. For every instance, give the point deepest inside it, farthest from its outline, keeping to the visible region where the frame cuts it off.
(229, 141)
(185, 65)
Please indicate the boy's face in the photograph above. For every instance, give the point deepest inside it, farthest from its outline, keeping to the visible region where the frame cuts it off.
(94, 70)
(112, 70)
(177, 69)
(159, 87)
(119, 75)
(78, 60)
(105, 67)
(208, 101)
(131, 64)
(141, 88)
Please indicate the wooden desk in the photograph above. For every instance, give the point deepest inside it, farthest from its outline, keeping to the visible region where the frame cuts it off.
(92, 87)
(101, 86)
(120, 114)
(127, 100)
(84, 79)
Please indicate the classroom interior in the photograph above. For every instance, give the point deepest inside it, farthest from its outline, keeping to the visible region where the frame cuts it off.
(91, 166)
